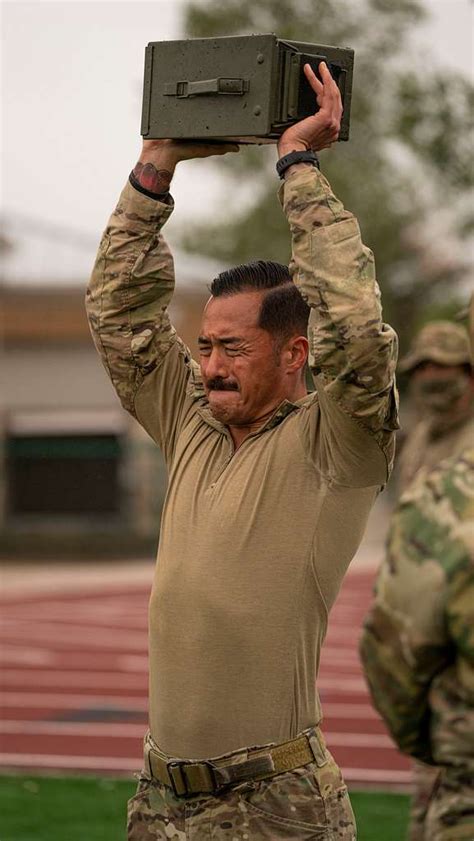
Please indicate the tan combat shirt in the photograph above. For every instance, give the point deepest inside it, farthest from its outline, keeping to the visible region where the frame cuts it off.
(254, 544)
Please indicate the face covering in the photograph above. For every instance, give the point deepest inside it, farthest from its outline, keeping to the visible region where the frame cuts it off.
(439, 394)
(437, 398)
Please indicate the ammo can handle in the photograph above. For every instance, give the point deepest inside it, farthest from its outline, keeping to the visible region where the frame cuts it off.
(235, 87)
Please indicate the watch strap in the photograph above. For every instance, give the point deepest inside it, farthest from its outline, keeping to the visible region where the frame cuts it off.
(296, 157)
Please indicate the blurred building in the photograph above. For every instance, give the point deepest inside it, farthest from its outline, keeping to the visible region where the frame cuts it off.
(78, 474)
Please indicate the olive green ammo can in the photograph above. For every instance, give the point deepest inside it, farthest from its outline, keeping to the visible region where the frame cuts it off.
(247, 89)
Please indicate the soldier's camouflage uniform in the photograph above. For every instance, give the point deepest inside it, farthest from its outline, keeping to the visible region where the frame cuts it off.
(445, 428)
(254, 544)
(418, 641)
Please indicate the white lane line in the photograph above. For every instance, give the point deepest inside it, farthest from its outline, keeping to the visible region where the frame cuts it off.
(87, 763)
(376, 775)
(359, 740)
(342, 684)
(93, 597)
(341, 654)
(349, 711)
(67, 700)
(122, 764)
(130, 604)
(119, 680)
(84, 619)
(102, 730)
(129, 730)
(132, 663)
(42, 700)
(61, 678)
(47, 700)
(75, 591)
(11, 654)
(77, 636)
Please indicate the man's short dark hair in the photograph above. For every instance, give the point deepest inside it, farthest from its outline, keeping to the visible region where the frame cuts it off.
(283, 313)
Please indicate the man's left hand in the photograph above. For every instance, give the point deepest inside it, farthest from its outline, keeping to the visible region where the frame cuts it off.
(321, 130)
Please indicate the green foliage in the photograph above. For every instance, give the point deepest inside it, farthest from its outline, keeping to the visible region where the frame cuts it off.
(428, 115)
(435, 117)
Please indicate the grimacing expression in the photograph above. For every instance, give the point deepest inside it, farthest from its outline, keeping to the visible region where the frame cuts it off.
(240, 362)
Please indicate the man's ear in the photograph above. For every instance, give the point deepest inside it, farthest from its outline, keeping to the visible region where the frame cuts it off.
(296, 353)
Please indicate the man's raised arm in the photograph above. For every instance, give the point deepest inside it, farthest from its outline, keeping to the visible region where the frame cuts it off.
(133, 280)
(352, 352)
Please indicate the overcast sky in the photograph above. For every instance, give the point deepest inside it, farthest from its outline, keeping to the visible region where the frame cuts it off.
(71, 78)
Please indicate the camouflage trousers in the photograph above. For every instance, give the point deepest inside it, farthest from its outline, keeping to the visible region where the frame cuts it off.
(424, 779)
(450, 814)
(307, 804)
(443, 805)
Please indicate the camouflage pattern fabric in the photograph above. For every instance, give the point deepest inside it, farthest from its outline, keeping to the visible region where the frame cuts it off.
(417, 645)
(439, 341)
(130, 289)
(308, 804)
(450, 814)
(423, 450)
(424, 780)
(350, 347)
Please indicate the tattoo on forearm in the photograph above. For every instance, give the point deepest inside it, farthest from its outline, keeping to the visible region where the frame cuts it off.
(152, 179)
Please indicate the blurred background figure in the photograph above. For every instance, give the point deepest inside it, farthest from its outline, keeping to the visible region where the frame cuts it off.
(417, 646)
(441, 385)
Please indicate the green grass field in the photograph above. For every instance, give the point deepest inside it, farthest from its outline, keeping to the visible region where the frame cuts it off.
(91, 809)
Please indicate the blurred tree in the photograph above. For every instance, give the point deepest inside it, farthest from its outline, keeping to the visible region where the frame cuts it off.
(391, 187)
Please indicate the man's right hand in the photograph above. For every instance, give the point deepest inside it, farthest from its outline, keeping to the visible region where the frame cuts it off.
(158, 160)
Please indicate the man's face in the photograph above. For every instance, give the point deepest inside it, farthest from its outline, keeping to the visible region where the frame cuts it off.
(240, 364)
(440, 388)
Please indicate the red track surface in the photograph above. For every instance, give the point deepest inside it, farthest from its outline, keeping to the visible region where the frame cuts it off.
(74, 696)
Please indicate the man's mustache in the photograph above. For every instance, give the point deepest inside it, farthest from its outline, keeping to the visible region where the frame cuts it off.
(219, 384)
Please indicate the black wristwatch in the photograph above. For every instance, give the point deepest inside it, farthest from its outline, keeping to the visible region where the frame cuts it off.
(296, 158)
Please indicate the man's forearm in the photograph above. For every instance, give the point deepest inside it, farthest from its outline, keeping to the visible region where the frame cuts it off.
(155, 167)
(154, 181)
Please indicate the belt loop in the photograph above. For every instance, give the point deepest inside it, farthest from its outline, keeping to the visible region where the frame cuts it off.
(318, 747)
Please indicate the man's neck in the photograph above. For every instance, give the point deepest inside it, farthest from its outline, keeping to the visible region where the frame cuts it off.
(240, 433)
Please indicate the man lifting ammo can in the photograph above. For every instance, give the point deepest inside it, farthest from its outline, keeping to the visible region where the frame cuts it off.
(269, 491)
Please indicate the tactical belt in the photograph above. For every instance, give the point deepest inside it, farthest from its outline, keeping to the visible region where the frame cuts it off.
(188, 778)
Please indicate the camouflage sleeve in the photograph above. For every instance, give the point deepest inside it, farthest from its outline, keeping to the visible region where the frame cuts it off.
(352, 352)
(130, 288)
(417, 644)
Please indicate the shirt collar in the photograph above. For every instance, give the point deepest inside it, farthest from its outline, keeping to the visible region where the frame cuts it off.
(281, 412)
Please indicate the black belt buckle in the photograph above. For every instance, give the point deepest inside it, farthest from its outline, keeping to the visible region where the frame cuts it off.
(179, 780)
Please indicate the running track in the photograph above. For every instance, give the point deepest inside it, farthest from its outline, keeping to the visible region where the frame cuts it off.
(74, 684)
